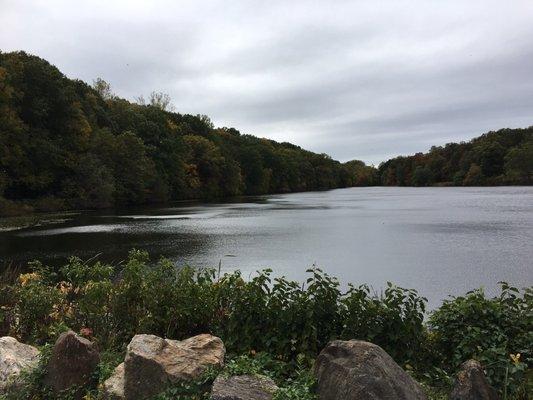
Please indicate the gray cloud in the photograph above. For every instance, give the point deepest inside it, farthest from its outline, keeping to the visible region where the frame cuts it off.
(355, 79)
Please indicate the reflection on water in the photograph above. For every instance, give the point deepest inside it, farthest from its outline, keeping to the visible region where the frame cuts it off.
(75, 229)
(438, 240)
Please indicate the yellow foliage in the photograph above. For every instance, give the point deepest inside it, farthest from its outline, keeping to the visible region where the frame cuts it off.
(24, 279)
(64, 287)
(515, 358)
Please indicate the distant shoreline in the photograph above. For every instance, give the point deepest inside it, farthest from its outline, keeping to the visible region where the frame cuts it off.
(29, 217)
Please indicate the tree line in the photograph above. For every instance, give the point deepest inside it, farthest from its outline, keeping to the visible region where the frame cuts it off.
(504, 157)
(65, 144)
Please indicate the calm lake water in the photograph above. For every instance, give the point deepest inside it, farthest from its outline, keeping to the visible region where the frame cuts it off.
(440, 241)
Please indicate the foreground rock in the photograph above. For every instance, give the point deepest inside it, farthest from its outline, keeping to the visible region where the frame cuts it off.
(72, 364)
(350, 370)
(14, 358)
(113, 388)
(153, 363)
(243, 387)
(471, 384)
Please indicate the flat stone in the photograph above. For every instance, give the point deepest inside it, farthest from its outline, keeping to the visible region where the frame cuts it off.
(243, 387)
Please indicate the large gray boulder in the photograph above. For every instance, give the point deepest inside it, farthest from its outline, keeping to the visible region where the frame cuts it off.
(243, 387)
(354, 370)
(72, 365)
(471, 384)
(152, 363)
(14, 358)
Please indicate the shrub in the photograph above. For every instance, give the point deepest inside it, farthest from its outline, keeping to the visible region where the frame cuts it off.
(496, 331)
(39, 307)
(9, 208)
(274, 322)
(393, 320)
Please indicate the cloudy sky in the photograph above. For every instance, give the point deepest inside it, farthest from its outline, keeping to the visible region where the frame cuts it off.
(354, 79)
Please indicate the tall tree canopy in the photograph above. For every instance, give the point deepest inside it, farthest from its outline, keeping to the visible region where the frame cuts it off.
(65, 144)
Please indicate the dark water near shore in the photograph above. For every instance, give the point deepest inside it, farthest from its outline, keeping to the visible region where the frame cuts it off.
(438, 240)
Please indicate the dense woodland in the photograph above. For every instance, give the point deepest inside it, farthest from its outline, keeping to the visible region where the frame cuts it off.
(65, 144)
(504, 157)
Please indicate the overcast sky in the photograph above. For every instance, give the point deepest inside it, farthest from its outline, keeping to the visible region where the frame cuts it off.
(354, 79)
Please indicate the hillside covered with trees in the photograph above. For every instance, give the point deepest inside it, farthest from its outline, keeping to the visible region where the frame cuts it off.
(65, 144)
(504, 157)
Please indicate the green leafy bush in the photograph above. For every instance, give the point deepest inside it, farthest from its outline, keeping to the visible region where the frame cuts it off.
(39, 308)
(394, 320)
(496, 331)
(274, 322)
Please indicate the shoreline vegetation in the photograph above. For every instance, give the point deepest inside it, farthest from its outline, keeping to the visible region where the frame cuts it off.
(269, 325)
(66, 145)
(34, 219)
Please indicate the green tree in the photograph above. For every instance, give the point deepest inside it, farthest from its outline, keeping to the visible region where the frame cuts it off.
(256, 177)
(422, 176)
(458, 178)
(91, 185)
(134, 170)
(209, 165)
(491, 158)
(474, 176)
(519, 163)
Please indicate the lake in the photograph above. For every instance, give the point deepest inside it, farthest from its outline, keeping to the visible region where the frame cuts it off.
(440, 241)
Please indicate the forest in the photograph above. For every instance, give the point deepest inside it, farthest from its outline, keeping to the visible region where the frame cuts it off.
(504, 157)
(65, 144)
